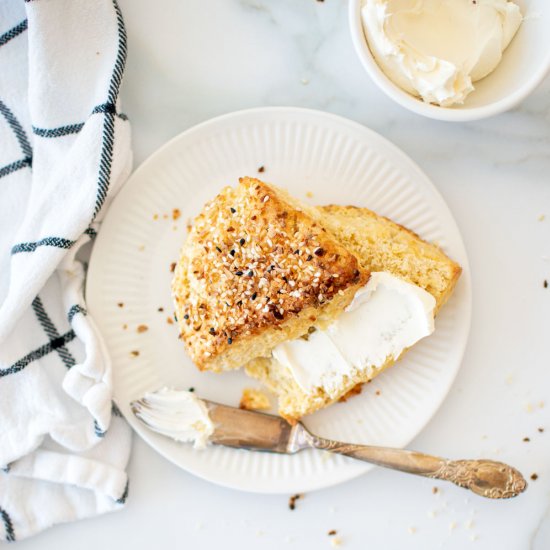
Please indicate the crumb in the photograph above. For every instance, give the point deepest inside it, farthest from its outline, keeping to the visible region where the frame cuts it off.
(134, 353)
(332, 532)
(452, 525)
(356, 390)
(142, 328)
(189, 226)
(377, 392)
(176, 214)
(160, 309)
(411, 530)
(155, 216)
(120, 304)
(541, 218)
(141, 247)
(254, 400)
(169, 320)
(309, 195)
(191, 389)
(534, 477)
(124, 326)
(540, 430)
(334, 541)
(172, 267)
(526, 440)
(545, 283)
(261, 169)
(435, 490)
(292, 500)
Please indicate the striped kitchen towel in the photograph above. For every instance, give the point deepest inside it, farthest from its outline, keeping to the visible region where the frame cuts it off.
(64, 152)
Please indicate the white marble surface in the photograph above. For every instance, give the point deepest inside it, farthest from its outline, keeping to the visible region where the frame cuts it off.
(190, 60)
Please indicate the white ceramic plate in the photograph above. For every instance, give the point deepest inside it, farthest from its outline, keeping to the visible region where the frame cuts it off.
(336, 160)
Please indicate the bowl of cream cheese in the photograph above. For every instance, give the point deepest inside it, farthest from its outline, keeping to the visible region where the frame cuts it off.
(453, 60)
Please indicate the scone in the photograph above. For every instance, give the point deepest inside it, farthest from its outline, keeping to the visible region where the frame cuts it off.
(382, 247)
(258, 269)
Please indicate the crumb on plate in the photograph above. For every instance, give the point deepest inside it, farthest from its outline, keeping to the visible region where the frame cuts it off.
(142, 328)
(254, 400)
(292, 500)
(356, 390)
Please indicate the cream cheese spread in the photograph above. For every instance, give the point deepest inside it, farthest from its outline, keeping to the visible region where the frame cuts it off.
(178, 414)
(385, 317)
(435, 49)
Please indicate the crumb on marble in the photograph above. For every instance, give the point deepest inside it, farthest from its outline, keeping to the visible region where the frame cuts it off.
(261, 169)
(124, 326)
(309, 194)
(161, 309)
(292, 500)
(435, 490)
(335, 542)
(134, 353)
(172, 267)
(142, 328)
(534, 476)
(540, 430)
(377, 392)
(526, 440)
(545, 283)
(176, 213)
(169, 320)
(120, 304)
(155, 216)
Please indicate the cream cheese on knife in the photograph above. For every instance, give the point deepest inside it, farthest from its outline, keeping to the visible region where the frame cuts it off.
(385, 317)
(178, 414)
(436, 49)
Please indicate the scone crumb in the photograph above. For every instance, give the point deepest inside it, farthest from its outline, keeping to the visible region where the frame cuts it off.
(155, 216)
(142, 328)
(545, 283)
(435, 490)
(332, 532)
(534, 476)
(254, 400)
(309, 194)
(292, 500)
(120, 304)
(160, 309)
(356, 390)
(335, 542)
(124, 326)
(134, 353)
(169, 320)
(176, 213)
(377, 392)
(540, 430)
(526, 440)
(261, 169)
(172, 267)
(411, 530)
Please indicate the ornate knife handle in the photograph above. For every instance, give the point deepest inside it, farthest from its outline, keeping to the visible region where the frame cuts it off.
(486, 478)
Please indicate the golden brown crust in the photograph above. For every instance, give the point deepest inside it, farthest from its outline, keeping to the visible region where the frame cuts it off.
(256, 259)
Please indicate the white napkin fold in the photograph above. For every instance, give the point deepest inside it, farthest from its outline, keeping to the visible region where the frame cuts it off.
(64, 152)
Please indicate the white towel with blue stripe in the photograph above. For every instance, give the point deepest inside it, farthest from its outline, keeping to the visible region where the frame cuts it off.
(64, 153)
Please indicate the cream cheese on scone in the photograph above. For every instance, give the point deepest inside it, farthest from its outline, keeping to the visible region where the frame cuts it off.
(385, 317)
(435, 49)
(178, 414)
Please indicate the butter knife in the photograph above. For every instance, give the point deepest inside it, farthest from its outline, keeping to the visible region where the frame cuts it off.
(257, 431)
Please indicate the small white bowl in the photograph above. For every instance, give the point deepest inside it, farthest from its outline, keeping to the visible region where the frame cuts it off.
(524, 65)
